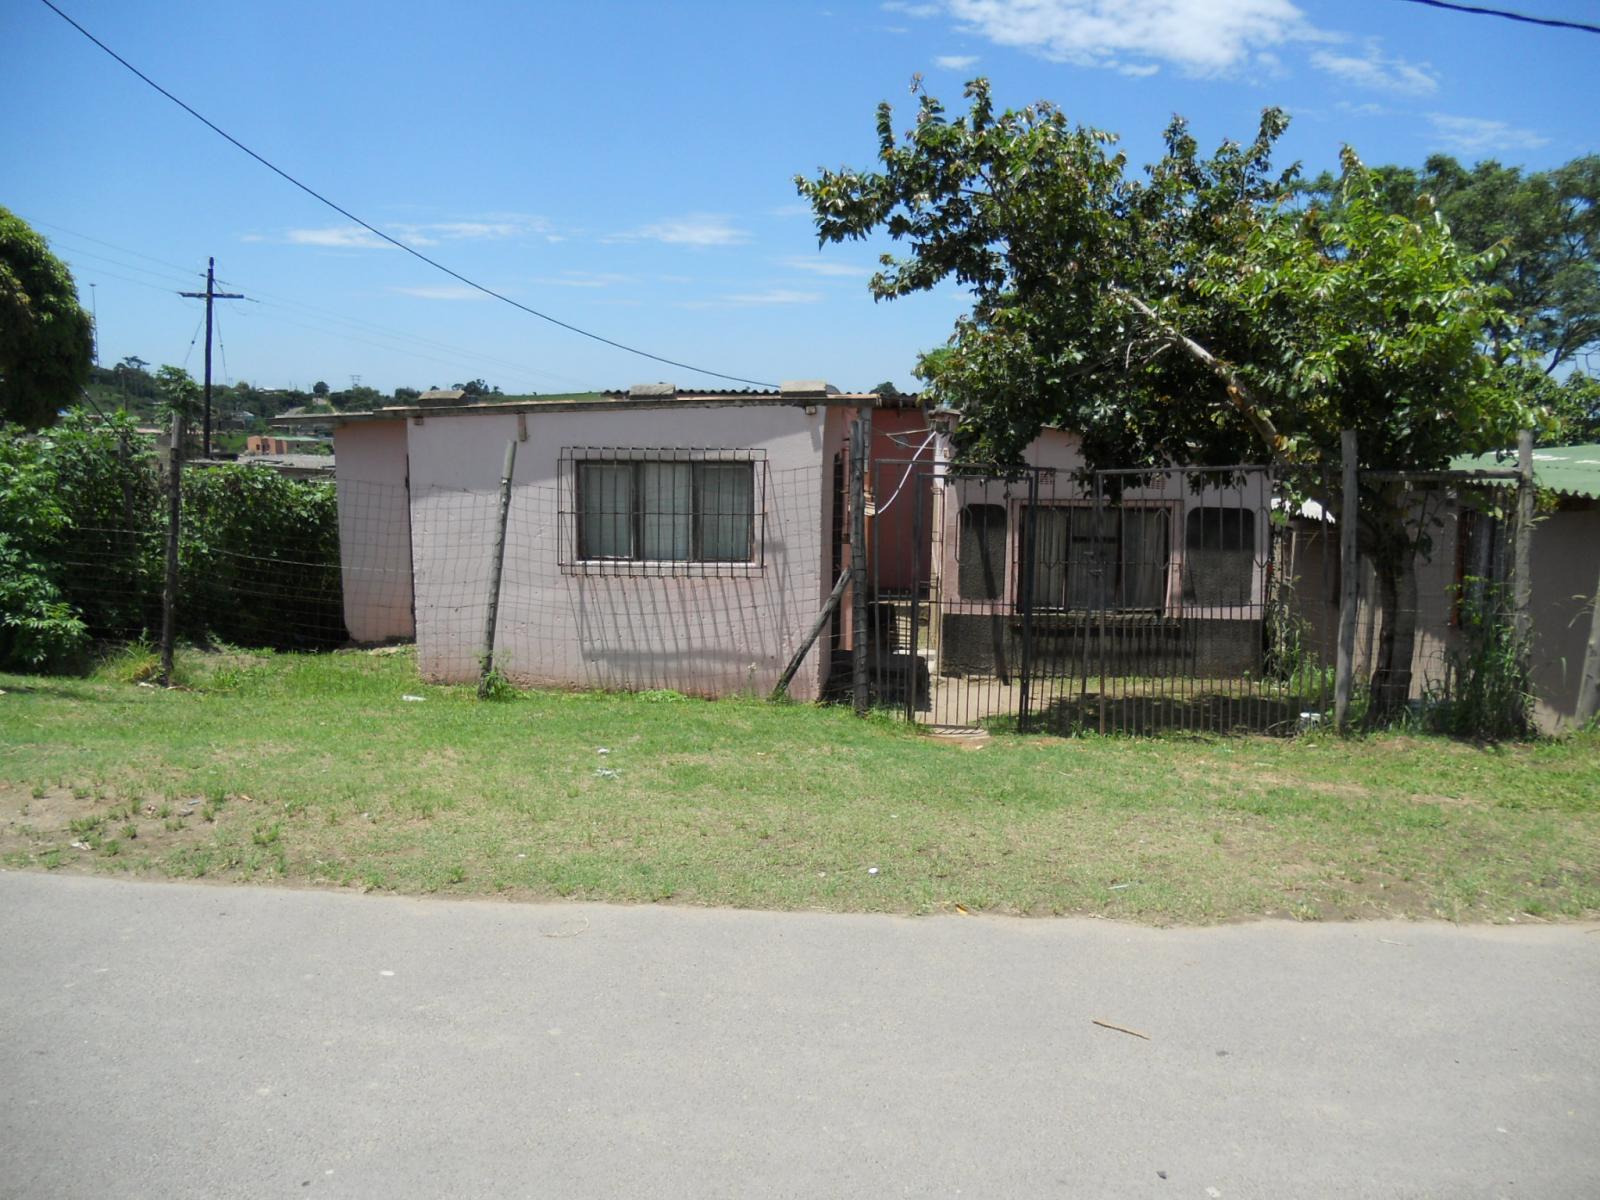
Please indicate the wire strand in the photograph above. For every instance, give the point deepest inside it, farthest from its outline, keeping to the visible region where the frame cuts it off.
(1550, 22)
(395, 242)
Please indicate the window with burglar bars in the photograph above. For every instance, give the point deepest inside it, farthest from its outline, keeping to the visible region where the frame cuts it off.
(1100, 558)
(1219, 557)
(681, 510)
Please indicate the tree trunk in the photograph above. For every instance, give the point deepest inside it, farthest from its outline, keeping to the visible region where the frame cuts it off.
(1396, 570)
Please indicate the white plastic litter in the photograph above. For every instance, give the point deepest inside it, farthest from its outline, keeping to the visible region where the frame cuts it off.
(414, 699)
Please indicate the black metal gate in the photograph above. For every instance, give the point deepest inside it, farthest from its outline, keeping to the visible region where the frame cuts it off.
(1129, 601)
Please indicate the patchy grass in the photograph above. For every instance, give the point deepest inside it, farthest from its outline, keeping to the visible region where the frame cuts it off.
(313, 770)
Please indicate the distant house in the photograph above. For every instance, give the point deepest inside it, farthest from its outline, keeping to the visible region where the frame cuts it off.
(657, 538)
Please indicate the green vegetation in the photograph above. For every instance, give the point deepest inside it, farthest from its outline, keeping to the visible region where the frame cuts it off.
(316, 770)
(82, 528)
(46, 339)
(1190, 313)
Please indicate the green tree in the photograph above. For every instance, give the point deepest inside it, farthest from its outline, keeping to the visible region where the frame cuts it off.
(1545, 226)
(1192, 315)
(179, 393)
(319, 388)
(46, 339)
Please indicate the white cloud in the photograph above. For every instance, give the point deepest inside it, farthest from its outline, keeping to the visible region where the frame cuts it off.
(1200, 37)
(585, 279)
(697, 229)
(427, 233)
(769, 296)
(911, 10)
(342, 237)
(496, 228)
(821, 266)
(1479, 135)
(955, 62)
(775, 296)
(1368, 109)
(443, 291)
(1376, 70)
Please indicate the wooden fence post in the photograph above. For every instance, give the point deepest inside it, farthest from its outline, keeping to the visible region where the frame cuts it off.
(860, 440)
(486, 660)
(1589, 683)
(1522, 550)
(799, 656)
(1349, 578)
(169, 590)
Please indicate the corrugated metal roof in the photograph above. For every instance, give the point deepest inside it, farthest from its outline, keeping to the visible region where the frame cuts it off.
(1566, 470)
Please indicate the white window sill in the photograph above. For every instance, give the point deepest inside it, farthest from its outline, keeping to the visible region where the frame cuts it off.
(662, 569)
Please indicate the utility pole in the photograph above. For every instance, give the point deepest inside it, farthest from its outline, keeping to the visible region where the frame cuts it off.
(209, 296)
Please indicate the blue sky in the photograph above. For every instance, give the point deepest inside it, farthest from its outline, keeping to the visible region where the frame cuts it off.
(627, 167)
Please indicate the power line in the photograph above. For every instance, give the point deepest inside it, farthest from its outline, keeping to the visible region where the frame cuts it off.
(1551, 22)
(395, 242)
(187, 270)
(190, 352)
(76, 253)
(271, 300)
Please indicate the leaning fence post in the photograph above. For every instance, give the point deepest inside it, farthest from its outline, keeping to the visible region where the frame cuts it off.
(1522, 549)
(858, 557)
(1588, 706)
(1344, 672)
(169, 590)
(487, 658)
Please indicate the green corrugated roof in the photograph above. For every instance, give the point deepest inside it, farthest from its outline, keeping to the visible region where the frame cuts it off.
(1569, 470)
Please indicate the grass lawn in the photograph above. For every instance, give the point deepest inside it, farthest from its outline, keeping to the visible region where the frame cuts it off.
(319, 770)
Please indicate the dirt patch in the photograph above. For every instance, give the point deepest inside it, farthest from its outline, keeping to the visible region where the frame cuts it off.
(962, 739)
(59, 829)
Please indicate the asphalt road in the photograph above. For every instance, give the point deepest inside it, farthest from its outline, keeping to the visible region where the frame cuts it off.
(167, 1040)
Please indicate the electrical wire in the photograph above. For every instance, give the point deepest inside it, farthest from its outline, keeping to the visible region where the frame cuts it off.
(1525, 18)
(187, 354)
(222, 349)
(186, 270)
(461, 355)
(76, 253)
(411, 250)
(272, 300)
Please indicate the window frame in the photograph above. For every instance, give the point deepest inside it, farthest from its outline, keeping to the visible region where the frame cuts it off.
(575, 555)
(1197, 521)
(1026, 572)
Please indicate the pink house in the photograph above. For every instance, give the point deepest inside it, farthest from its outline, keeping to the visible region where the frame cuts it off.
(657, 538)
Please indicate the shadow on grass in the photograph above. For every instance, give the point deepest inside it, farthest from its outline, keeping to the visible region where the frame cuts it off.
(1150, 716)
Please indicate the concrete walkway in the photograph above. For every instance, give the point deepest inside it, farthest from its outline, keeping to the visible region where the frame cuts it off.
(169, 1040)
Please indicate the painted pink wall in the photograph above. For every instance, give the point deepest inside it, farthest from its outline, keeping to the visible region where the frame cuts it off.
(717, 635)
(374, 529)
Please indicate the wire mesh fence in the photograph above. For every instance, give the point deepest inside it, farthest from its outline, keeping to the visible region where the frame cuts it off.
(1117, 601)
(1113, 601)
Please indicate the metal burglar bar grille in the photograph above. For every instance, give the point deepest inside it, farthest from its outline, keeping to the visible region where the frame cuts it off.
(679, 511)
(1120, 601)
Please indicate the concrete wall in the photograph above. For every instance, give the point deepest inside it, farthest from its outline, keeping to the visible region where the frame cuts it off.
(1565, 563)
(1565, 560)
(374, 530)
(671, 628)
